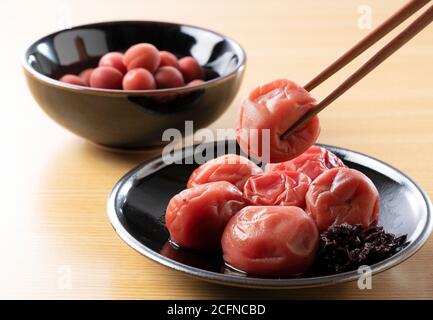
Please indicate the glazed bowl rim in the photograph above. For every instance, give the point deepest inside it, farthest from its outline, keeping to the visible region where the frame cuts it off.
(120, 92)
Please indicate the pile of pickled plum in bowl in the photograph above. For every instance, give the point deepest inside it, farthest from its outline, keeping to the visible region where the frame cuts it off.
(304, 212)
(141, 67)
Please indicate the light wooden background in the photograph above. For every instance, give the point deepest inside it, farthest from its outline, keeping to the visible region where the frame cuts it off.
(54, 186)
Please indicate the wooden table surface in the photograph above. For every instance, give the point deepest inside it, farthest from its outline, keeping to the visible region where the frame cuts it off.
(55, 238)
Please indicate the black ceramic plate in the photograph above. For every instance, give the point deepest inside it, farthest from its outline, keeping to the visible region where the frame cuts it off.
(137, 205)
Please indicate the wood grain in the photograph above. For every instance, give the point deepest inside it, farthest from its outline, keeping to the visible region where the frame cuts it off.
(54, 185)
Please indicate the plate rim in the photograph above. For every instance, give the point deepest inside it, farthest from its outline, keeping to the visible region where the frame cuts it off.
(264, 283)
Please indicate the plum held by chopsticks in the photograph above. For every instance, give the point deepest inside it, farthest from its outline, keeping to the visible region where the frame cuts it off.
(272, 108)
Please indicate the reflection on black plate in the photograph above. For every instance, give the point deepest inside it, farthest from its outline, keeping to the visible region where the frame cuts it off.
(137, 205)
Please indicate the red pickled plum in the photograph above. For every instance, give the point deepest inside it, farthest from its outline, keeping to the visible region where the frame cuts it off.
(276, 106)
(312, 162)
(113, 59)
(168, 77)
(270, 240)
(196, 217)
(72, 79)
(277, 188)
(106, 78)
(231, 167)
(191, 69)
(142, 55)
(138, 79)
(168, 59)
(195, 83)
(342, 195)
(85, 75)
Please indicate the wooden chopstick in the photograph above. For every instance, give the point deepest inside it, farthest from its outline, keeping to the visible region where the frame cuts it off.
(401, 39)
(370, 39)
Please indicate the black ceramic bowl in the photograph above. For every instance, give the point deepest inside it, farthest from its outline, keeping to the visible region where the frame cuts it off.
(123, 118)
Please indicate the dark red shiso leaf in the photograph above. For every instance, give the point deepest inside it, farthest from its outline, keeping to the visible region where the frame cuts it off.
(345, 247)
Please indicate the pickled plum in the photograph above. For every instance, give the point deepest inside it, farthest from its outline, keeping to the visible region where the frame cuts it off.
(163, 70)
(277, 188)
(168, 77)
(312, 162)
(106, 78)
(142, 55)
(196, 217)
(191, 69)
(276, 106)
(138, 79)
(113, 59)
(72, 79)
(168, 59)
(85, 75)
(342, 195)
(231, 167)
(270, 240)
(195, 83)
